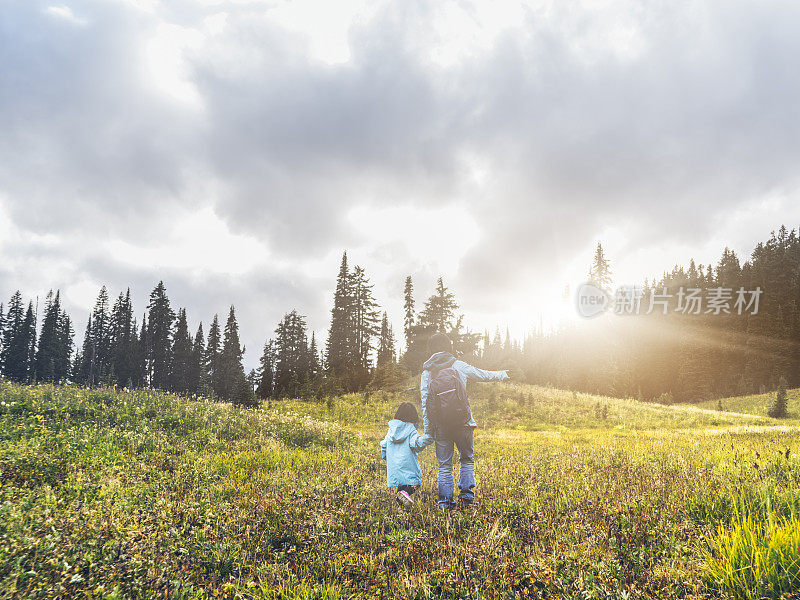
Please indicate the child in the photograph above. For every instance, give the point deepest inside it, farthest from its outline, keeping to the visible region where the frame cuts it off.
(400, 448)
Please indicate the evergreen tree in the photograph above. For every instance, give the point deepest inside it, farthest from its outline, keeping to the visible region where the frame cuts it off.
(439, 315)
(101, 336)
(386, 354)
(365, 324)
(266, 372)
(728, 270)
(340, 354)
(252, 382)
(600, 272)
(387, 372)
(2, 329)
(779, 408)
(84, 361)
(96, 359)
(29, 341)
(197, 367)
(291, 355)
(160, 318)
(46, 355)
(140, 362)
(124, 340)
(52, 359)
(314, 365)
(64, 336)
(182, 352)
(233, 383)
(14, 356)
(440, 310)
(211, 381)
(408, 310)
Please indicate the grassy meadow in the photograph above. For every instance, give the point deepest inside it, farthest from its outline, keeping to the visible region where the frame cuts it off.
(115, 494)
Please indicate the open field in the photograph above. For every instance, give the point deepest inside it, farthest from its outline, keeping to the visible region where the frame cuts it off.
(110, 494)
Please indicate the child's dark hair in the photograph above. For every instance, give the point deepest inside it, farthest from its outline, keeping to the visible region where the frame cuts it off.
(407, 412)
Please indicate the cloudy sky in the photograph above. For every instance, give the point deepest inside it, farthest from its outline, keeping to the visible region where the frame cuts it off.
(235, 148)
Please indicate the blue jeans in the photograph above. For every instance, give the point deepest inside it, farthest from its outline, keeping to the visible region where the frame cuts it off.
(464, 441)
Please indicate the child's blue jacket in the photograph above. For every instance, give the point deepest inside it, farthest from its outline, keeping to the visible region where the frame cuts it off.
(400, 448)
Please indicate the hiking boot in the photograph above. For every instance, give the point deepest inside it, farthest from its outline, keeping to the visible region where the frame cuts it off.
(404, 499)
(465, 503)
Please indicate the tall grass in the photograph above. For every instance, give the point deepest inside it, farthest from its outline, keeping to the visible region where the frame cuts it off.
(115, 494)
(755, 558)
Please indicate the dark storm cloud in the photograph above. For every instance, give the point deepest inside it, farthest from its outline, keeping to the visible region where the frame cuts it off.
(680, 115)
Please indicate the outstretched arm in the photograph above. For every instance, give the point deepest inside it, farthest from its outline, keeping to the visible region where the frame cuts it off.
(476, 374)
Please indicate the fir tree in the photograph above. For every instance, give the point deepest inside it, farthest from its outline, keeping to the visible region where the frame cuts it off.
(386, 354)
(439, 315)
(440, 310)
(197, 367)
(84, 361)
(728, 270)
(101, 336)
(600, 271)
(160, 318)
(233, 383)
(779, 408)
(408, 310)
(365, 323)
(29, 341)
(182, 351)
(314, 365)
(211, 381)
(47, 353)
(266, 372)
(65, 336)
(52, 360)
(14, 356)
(140, 362)
(291, 355)
(2, 328)
(124, 340)
(340, 354)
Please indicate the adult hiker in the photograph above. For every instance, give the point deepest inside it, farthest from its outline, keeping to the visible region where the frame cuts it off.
(447, 417)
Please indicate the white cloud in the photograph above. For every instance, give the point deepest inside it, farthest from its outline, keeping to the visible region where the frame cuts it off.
(436, 238)
(198, 243)
(166, 65)
(62, 11)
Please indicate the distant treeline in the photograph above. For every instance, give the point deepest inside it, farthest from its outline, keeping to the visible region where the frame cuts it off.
(160, 352)
(670, 357)
(116, 350)
(680, 356)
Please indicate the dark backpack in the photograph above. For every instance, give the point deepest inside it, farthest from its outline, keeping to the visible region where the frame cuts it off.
(448, 406)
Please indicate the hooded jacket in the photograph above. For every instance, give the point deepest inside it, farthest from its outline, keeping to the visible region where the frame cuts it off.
(400, 448)
(442, 360)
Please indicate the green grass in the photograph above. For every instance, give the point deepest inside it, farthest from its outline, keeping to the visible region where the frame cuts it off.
(107, 494)
(758, 404)
(756, 559)
(527, 408)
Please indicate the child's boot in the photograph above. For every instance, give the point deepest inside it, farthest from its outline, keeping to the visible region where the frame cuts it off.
(404, 499)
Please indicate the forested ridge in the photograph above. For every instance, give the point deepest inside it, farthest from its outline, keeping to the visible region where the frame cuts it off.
(669, 357)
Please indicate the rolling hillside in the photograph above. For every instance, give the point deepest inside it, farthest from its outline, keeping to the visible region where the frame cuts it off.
(109, 494)
(757, 404)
